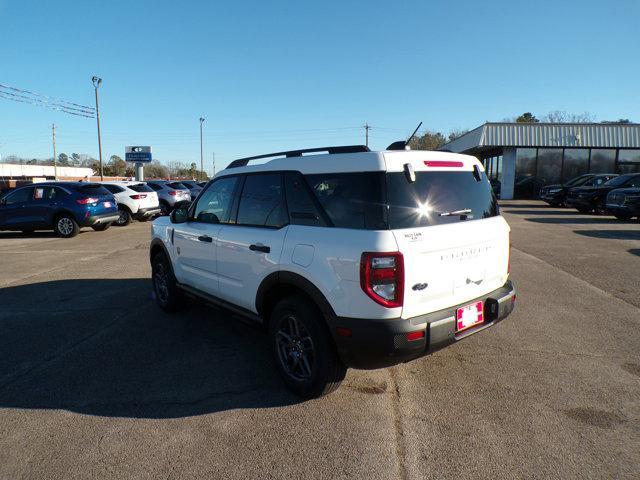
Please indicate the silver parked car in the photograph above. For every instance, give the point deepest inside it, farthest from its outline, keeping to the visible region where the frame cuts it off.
(170, 194)
(194, 187)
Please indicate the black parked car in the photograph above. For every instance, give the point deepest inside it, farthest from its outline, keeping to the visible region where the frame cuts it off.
(556, 195)
(588, 199)
(624, 203)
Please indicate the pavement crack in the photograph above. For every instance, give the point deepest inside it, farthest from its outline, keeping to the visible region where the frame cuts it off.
(398, 430)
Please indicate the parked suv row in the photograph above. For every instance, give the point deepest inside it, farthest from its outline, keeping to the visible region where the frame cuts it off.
(136, 200)
(63, 207)
(348, 259)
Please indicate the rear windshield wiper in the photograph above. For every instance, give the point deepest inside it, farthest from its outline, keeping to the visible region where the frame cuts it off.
(455, 213)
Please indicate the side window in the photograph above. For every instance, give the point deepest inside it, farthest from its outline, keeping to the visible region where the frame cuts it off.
(56, 193)
(48, 193)
(302, 209)
(635, 182)
(214, 204)
(155, 187)
(19, 196)
(262, 201)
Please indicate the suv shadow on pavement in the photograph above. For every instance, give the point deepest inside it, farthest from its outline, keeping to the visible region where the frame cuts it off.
(611, 234)
(102, 347)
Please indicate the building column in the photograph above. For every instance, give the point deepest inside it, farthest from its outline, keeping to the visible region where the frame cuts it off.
(508, 173)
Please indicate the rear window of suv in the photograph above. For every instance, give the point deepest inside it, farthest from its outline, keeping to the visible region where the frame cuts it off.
(381, 201)
(177, 186)
(92, 189)
(140, 187)
(437, 198)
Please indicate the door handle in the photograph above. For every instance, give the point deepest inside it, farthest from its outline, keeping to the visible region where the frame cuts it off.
(205, 238)
(259, 248)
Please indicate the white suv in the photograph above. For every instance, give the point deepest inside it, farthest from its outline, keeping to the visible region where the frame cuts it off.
(349, 259)
(135, 201)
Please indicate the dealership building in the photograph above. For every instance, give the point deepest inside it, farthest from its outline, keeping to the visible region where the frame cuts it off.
(524, 157)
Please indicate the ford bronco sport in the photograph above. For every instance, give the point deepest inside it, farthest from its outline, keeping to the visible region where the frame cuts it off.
(351, 258)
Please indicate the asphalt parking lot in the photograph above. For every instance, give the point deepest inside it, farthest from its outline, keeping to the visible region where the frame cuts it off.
(96, 382)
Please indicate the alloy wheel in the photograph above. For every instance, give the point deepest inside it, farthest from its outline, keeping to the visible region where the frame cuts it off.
(161, 282)
(65, 226)
(296, 350)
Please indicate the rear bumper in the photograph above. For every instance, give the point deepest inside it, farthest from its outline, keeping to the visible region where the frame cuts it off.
(146, 212)
(382, 343)
(94, 220)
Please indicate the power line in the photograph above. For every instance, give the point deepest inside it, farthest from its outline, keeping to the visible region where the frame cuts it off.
(84, 107)
(39, 100)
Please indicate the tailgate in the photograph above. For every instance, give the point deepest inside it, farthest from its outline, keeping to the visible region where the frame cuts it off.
(449, 264)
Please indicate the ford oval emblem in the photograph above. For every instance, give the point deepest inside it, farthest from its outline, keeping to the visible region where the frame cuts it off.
(419, 286)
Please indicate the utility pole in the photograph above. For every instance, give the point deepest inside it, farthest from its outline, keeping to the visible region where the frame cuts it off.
(366, 134)
(96, 83)
(213, 159)
(201, 151)
(55, 159)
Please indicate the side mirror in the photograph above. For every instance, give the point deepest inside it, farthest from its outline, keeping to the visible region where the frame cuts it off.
(179, 215)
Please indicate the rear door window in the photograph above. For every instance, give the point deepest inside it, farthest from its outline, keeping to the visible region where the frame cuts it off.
(262, 201)
(438, 198)
(352, 200)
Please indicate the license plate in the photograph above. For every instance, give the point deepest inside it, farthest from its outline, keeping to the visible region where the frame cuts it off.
(469, 316)
(107, 204)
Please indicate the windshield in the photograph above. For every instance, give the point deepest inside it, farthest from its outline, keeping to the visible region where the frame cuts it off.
(578, 180)
(621, 180)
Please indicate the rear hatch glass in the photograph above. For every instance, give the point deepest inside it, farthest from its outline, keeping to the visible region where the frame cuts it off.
(177, 186)
(437, 198)
(140, 187)
(92, 189)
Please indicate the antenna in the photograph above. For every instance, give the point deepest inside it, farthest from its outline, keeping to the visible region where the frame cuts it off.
(404, 144)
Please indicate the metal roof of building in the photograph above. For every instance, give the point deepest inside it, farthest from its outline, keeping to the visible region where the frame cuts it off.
(595, 135)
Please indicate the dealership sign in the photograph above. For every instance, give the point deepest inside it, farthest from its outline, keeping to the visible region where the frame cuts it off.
(137, 154)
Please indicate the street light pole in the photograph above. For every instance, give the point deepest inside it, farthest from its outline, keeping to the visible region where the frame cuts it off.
(96, 83)
(55, 160)
(201, 151)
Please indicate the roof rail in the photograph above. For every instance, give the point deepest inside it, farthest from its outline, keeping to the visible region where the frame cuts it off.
(242, 162)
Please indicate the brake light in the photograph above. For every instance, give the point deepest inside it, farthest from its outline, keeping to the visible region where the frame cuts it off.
(139, 196)
(382, 278)
(173, 193)
(443, 163)
(87, 200)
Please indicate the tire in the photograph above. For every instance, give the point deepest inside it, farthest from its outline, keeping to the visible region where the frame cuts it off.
(625, 218)
(303, 350)
(65, 226)
(125, 217)
(600, 209)
(165, 208)
(168, 295)
(102, 227)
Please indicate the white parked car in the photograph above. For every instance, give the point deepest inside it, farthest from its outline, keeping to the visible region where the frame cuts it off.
(135, 201)
(349, 259)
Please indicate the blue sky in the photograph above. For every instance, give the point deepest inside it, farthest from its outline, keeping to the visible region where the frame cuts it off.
(271, 75)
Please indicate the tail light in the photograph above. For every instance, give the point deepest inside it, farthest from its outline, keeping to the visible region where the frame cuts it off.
(173, 193)
(139, 196)
(382, 278)
(87, 200)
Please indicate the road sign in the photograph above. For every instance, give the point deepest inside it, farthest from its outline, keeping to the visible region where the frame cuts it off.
(137, 154)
